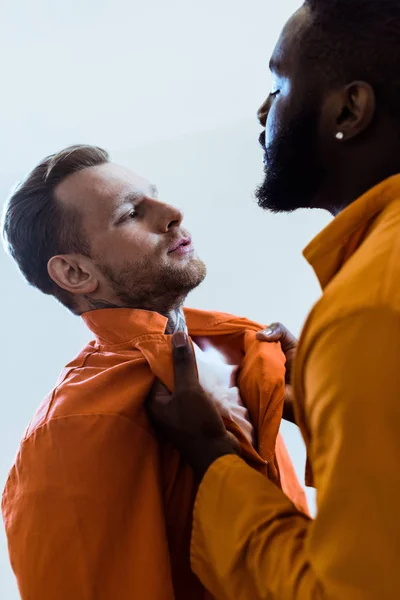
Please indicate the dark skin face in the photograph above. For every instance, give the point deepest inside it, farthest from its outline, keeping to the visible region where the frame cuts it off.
(301, 118)
(307, 166)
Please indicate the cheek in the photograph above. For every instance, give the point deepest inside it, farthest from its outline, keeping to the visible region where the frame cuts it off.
(121, 246)
(134, 246)
(278, 115)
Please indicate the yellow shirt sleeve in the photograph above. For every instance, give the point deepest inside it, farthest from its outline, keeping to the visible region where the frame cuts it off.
(249, 542)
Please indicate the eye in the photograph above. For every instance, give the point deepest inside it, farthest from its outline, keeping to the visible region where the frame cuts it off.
(129, 216)
(275, 87)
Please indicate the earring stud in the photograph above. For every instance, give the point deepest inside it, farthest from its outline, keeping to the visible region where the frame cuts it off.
(339, 135)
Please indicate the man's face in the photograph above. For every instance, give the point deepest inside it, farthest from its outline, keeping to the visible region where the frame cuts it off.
(290, 115)
(139, 249)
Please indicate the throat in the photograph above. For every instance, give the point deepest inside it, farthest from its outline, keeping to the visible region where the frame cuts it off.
(176, 321)
(176, 317)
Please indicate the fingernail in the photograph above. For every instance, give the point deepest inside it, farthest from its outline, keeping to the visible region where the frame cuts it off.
(268, 331)
(179, 339)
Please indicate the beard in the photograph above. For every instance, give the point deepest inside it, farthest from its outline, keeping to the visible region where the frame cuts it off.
(293, 169)
(158, 288)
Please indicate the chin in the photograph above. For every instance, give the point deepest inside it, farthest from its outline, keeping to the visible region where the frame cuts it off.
(277, 200)
(282, 193)
(181, 277)
(195, 272)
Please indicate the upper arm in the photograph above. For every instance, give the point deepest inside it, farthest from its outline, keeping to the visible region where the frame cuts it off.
(83, 494)
(352, 391)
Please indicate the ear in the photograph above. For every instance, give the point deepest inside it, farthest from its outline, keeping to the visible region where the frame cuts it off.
(73, 273)
(347, 112)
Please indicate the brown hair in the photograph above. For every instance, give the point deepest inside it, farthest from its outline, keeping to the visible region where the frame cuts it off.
(36, 226)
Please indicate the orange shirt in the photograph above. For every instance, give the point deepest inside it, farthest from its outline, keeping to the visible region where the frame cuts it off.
(254, 544)
(96, 507)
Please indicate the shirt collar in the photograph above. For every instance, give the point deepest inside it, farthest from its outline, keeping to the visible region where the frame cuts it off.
(122, 325)
(331, 249)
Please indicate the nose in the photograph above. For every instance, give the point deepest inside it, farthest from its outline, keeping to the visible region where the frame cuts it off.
(174, 219)
(167, 217)
(262, 113)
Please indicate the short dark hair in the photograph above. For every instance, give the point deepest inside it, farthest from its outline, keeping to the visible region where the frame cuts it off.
(358, 40)
(37, 226)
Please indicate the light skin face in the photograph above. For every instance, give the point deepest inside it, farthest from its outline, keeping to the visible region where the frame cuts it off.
(132, 236)
(306, 164)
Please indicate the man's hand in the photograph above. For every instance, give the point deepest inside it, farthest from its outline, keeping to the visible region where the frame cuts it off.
(278, 333)
(189, 417)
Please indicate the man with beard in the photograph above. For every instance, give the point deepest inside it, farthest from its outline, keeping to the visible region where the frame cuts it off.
(332, 141)
(95, 505)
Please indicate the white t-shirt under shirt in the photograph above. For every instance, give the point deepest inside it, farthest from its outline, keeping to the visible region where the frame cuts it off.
(219, 380)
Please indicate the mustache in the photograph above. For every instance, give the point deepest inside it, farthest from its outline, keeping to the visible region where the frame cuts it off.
(176, 236)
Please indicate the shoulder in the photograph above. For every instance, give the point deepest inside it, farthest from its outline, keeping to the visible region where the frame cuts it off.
(367, 284)
(96, 382)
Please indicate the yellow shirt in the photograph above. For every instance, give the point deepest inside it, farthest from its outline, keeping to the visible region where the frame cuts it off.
(253, 543)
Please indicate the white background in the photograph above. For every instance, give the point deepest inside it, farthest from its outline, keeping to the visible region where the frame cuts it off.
(171, 89)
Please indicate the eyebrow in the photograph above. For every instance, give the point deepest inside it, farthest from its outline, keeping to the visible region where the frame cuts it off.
(125, 200)
(132, 198)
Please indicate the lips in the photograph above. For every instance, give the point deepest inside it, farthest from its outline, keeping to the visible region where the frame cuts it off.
(261, 139)
(185, 242)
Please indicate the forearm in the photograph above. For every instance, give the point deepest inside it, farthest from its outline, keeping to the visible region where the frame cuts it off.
(248, 538)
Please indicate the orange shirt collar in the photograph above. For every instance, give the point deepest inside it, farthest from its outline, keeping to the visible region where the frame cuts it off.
(330, 250)
(122, 325)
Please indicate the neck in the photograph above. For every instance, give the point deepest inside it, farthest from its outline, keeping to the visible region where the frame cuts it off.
(176, 321)
(175, 316)
(362, 168)
(343, 196)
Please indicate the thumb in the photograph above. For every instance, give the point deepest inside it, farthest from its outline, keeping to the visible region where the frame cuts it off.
(269, 335)
(278, 333)
(185, 367)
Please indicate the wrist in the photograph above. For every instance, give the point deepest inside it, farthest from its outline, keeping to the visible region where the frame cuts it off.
(208, 451)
